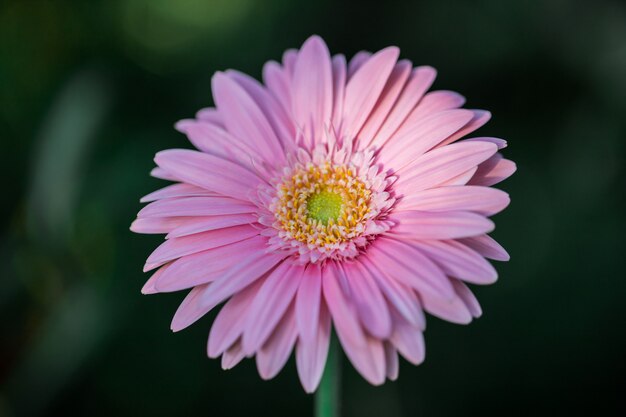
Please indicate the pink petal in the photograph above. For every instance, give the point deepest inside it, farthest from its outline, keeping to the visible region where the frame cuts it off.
(278, 118)
(459, 261)
(204, 298)
(402, 151)
(204, 224)
(342, 310)
(365, 352)
(368, 360)
(368, 299)
(391, 361)
(420, 80)
(487, 247)
(442, 164)
(439, 225)
(339, 87)
(230, 321)
(482, 200)
(243, 118)
(271, 302)
(406, 264)
(357, 62)
(273, 355)
(468, 298)
(211, 115)
(480, 118)
(388, 97)
(196, 206)
(278, 82)
(176, 190)
(364, 88)
(311, 355)
(207, 266)
(148, 287)
(209, 172)
(493, 171)
(232, 356)
(398, 295)
(409, 341)
(216, 141)
(308, 303)
(187, 245)
(312, 95)
(159, 224)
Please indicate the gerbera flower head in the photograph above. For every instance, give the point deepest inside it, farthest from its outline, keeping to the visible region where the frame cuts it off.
(335, 195)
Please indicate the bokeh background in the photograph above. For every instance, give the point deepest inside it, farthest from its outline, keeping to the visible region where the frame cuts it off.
(89, 91)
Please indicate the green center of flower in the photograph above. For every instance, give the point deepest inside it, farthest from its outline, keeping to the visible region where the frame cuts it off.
(324, 206)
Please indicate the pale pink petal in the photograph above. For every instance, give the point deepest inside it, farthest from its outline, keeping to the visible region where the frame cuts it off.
(278, 118)
(243, 118)
(271, 302)
(487, 247)
(339, 86)
(405, 263)
(357, 62)
(211, 115)
(308, 303)
(398, 295)
(187, 245)
(364, 88)
(442, 164)
(273, 355)
(480, 118)
(388, 97)
(312, 89)
(493, 171)
(209, 172)
(391, 361)
(368, 360)
(216, 141)
(204, 224)
(482, 200)
(148, 287)
(177, 190)
(468, 298)
(162, 174)
(230, 321)
(420, 80)
(192, 270)
(278, 82)
(232, 356)
(152, 225)
(459, 261)
(368, 299)
(403, 150)
(408, 340)
(342, 310)
(311, 355)
(196, 206)
(439, 225)
(204, 298)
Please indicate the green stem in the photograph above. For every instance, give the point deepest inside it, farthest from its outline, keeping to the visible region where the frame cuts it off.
(327, 395)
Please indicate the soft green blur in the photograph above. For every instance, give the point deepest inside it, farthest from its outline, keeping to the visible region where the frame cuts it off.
(90, 90)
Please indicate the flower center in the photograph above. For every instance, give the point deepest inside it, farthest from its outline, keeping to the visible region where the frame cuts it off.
(324, 206)
(321, 205)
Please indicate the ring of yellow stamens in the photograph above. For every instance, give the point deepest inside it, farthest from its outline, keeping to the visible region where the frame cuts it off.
(322, 206)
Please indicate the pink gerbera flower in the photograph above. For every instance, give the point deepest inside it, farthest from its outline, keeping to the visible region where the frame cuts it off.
(333, 195)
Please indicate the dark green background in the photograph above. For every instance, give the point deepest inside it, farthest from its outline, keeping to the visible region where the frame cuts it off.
(89, 91)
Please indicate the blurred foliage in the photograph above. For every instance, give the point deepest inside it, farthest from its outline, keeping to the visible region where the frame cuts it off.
(89, 91)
